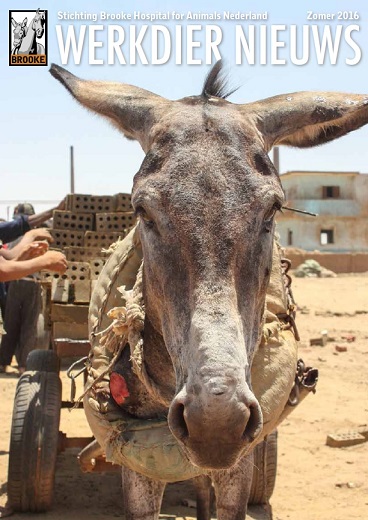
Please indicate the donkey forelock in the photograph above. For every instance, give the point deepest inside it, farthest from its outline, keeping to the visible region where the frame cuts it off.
(216, 83)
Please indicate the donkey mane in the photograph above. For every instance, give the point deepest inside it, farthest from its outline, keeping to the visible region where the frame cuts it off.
(216, 83)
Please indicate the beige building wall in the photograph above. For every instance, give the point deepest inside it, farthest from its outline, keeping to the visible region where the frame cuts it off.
(342, 218)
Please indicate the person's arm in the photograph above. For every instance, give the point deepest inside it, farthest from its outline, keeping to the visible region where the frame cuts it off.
(40, 218)
(34, 235)
(14, 270)
(25, 252)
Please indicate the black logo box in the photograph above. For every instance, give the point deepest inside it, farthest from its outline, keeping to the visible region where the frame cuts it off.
(32, 14)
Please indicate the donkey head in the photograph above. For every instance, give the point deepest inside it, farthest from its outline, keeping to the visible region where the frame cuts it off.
(206, 196)
(20, 30)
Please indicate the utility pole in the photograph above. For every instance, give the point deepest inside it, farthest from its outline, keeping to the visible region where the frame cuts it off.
(71, 169)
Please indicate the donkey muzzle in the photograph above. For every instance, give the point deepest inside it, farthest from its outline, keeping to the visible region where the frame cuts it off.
(215, 424)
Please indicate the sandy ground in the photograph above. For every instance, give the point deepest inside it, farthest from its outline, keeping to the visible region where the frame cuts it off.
(314, 481)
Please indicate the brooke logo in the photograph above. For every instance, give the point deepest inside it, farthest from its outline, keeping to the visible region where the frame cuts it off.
(28, 37)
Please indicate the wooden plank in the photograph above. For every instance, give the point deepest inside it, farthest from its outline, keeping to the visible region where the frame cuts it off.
(65, 442)
(254, 513)
(69, 348)
(69, 313)
(69, 330)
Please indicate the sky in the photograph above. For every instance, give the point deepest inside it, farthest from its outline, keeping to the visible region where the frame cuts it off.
(40, 120)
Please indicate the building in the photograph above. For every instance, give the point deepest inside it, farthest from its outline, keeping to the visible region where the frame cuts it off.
(341, 201)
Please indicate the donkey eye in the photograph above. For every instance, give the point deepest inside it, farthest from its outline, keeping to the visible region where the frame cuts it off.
(268, 220)
(141, 212)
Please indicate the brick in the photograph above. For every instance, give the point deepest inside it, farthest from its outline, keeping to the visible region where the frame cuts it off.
(80, 203)
(46, 277)
(83, 254)
(60, 290)
(363, 430)
(317, 342)
(96, 265)
(68, 202)
(82, 291)
(69, 313)
(341, 440)
(77, 271)
(110, 222)
(341, 348)
(67, 237)
(102, 240)
(123, 202)
(72, 221)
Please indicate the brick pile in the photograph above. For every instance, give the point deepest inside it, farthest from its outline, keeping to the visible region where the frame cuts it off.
(88, 226)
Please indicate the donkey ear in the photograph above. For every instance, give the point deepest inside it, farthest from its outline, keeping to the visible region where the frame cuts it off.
(307, 119)
(133, 110)
(24, 23)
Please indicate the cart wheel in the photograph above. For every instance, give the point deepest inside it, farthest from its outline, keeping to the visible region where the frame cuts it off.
(43, 361)
(34, 441)
(264, 472)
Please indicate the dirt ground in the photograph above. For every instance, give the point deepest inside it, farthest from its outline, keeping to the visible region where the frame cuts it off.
(314, 481)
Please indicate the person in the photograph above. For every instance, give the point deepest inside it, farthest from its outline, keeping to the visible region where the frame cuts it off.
(27, 257)
(24, 220)
(17, 264)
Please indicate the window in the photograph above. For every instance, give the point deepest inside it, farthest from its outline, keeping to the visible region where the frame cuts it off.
(330, 192)
(327, 237)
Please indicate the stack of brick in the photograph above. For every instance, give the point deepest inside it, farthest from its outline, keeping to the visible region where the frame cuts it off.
(89, 225)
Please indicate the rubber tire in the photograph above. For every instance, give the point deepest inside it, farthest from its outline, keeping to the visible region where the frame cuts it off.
(264, 471)
(43, 361)
(34, 441)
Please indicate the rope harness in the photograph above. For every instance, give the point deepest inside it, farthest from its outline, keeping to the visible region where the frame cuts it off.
(147, 445)
(127, 329)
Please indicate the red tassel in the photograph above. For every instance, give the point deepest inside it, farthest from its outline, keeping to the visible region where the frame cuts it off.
(118, 388)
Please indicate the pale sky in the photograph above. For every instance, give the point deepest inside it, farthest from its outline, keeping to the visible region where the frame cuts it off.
(40, 120)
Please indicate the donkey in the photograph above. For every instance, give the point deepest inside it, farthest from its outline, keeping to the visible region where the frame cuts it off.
(206, 196)
(19, 32)
(27, 43)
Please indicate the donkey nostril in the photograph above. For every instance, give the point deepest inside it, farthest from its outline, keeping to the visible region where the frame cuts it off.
(254, 424)
(177, 421)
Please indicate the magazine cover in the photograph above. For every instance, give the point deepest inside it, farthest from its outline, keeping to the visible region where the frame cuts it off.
(271, 129)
